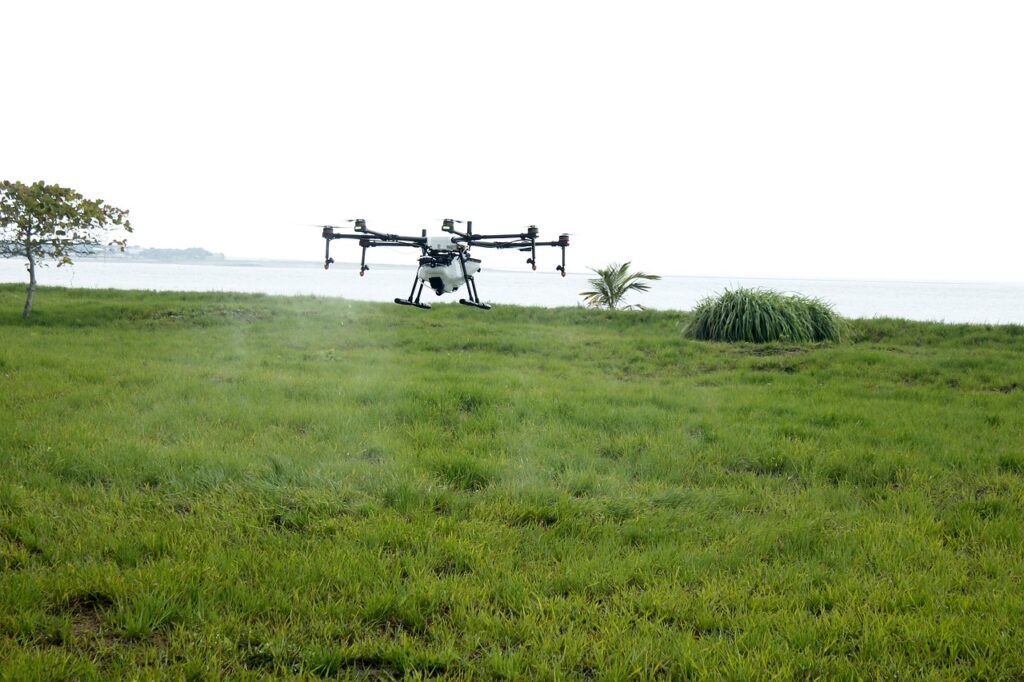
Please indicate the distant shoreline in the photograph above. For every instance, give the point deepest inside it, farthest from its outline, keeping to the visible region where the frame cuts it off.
(286, 263)
(964, 302)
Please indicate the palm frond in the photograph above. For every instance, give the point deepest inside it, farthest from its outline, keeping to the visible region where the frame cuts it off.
(611, 285)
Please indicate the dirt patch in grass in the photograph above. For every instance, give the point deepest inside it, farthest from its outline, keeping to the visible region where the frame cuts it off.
(784, 367)
(761, 351)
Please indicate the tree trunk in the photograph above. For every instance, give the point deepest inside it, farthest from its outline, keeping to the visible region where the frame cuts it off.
(31, 286)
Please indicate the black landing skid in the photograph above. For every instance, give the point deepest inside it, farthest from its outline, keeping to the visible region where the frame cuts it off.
(416, 302)
(474, 298)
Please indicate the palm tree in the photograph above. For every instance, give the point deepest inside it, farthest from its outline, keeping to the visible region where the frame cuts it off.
(612, 284)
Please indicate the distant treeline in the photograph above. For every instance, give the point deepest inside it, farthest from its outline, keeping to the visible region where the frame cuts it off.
(140, 253)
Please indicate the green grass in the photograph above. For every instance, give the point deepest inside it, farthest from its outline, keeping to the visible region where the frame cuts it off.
(217, 485)
(763, 316)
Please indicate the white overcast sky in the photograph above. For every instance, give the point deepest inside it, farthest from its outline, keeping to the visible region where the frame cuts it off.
(857, 139)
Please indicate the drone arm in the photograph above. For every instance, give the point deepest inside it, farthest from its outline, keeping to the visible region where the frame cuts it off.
(364, 234)
(523, 242)
(477, 238)
(392, 237)
(370, 244)
(562, 243)
(517, 244)
(515, 241)
(367, 239)
(330, 236)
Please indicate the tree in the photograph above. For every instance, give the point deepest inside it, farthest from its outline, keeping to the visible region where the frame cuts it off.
(612, 284)
(41, 223)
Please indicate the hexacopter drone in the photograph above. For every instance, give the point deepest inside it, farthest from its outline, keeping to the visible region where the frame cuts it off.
(444, 262)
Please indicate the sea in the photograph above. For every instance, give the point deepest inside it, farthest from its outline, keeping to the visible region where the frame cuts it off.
(976, 302)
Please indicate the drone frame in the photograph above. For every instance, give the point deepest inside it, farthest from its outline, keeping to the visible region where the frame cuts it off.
(462, 242)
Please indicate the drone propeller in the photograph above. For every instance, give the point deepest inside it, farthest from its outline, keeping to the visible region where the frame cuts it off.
(448, 224)
(359, 225)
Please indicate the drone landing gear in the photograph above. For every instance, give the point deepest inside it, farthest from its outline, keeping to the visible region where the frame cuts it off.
(474, 298)
(416, 302)
(403, 301)
(475, 304)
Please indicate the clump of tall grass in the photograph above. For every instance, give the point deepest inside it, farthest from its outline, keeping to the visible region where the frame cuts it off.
(763, 316)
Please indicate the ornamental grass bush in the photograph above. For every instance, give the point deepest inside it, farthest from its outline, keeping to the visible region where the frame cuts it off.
(763, 316)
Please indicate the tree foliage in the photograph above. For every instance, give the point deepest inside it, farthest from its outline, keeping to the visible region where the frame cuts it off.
(611, 285)
(48, 223)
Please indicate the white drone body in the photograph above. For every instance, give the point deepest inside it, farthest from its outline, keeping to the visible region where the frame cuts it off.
(444, 279)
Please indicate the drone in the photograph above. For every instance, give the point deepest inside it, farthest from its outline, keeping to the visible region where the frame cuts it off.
(445, 263)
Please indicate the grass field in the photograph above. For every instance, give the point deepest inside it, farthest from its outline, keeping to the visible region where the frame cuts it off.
(216, 485)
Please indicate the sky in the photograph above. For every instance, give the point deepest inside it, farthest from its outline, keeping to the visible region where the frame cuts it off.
(848, 140)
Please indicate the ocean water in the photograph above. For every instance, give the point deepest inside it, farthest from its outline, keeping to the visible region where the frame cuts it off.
(944, 301)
